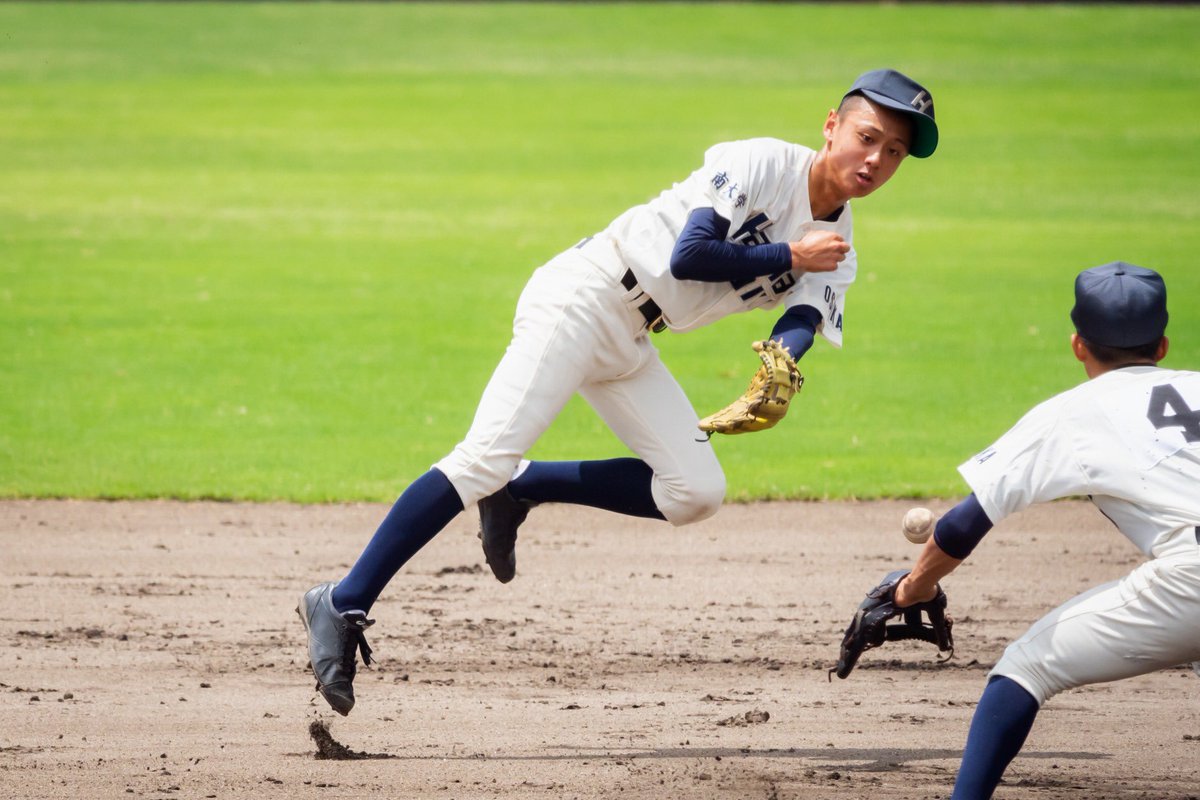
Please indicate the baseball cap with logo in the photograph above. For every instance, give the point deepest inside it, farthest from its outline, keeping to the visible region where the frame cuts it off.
(897, 91)
(1120, 305)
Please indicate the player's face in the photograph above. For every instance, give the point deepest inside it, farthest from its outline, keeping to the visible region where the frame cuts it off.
(866, 145)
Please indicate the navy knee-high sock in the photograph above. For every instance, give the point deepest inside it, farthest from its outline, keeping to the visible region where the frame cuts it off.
(1002, 721)
(424, 508)
(615, 484)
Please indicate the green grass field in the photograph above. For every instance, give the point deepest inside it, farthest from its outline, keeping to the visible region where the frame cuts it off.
(273, 251)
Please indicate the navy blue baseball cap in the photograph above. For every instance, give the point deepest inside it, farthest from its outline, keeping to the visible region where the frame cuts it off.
(897, 91)
(1120, 305)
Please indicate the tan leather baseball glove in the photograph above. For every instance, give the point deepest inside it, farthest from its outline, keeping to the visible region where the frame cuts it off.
(766, 400)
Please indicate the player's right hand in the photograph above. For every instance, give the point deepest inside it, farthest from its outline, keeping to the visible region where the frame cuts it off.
(818, 251)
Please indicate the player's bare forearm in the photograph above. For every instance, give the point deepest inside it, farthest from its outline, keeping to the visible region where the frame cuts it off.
(956, 535)
(921, 584)
(818, 251)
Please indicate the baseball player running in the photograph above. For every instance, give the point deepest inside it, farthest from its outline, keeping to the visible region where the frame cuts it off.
(762, 224)
(1129, 438)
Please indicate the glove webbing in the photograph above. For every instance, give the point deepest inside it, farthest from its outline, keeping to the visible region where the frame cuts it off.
(914, 628)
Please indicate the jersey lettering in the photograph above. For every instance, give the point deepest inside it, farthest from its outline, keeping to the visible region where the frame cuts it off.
(783, 281)
(985, 456)
(1166, 397)
(730, 189)
(832, 313)
(779, 282)
(754, 231)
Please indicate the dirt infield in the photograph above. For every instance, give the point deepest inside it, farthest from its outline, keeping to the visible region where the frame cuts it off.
(152, 650)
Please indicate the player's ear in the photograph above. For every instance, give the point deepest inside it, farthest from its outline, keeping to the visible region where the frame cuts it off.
(1079, 348)
(1161, 352)
(831, 122)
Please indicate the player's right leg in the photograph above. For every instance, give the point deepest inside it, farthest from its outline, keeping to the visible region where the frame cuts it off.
(542, 367)
(335, 613)
(562, 336)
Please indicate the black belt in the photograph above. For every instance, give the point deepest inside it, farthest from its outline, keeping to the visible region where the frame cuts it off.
(648, 309)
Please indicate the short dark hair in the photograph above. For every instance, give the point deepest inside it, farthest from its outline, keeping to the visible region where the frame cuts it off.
(852, 101)
(1122, 355)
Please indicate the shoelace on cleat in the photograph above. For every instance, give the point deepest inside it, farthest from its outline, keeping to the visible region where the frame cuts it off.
(357, 624)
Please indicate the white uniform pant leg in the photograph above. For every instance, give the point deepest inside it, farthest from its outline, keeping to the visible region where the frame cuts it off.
(1148, 620)
(544, 365)
(649, 412)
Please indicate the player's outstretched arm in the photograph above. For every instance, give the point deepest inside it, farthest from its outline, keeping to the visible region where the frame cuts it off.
(916, 593)
(921, 583)
(956, 535)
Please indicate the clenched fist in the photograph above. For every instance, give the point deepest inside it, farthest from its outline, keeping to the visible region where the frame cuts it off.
(818, 251)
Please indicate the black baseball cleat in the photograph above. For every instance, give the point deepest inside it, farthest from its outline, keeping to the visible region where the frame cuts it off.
(500, 514)
(332, 639)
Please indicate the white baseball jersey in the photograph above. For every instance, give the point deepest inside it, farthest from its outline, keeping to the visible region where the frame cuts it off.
(761, 186)
(578, 328)
(1129, 438)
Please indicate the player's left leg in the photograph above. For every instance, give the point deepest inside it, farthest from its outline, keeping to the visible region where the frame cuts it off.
(1002, 720)
(1147, 621)
(678, 477)
(613, 484)
(650, 413)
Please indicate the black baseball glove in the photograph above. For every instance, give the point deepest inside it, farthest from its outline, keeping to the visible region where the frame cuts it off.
(869, 627)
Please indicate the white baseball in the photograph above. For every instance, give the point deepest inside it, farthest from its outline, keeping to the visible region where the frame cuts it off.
(918, 525)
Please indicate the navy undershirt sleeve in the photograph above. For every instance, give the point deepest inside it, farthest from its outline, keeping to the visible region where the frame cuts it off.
(702, 254)
(962, 527)
(797, 329)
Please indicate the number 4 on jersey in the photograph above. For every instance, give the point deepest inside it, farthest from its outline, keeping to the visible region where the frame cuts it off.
(1168, 397)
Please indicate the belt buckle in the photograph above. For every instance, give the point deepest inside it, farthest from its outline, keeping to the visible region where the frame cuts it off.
(648, 308)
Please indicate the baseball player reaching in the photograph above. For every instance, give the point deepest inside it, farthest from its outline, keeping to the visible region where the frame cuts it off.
(1129, 438)
(762, 224)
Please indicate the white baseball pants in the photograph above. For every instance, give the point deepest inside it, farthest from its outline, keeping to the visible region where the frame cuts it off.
(1146, 621)
(578, 330)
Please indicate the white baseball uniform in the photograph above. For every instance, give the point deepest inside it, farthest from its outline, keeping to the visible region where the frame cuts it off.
(579, 329)
(1129, 439)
